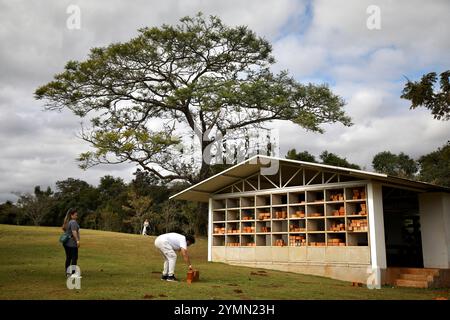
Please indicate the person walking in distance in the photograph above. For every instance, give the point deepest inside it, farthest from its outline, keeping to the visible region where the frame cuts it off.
(72, 229)
(145, 229)
(168, 244)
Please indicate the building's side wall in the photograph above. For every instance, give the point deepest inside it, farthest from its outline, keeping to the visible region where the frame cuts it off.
(343, 263)
(435, 228)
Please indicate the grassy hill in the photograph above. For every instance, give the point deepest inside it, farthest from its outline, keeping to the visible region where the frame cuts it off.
(124, 266)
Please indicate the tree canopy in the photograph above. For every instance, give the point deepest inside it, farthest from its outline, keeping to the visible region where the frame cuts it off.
(199, 78)
(435, 166)
(326, 157)
(399, 165)
(422, 93)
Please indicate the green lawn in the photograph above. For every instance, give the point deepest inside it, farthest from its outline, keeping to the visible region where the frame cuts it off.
(123, 266)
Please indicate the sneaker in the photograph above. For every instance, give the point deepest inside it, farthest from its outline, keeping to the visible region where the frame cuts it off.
(164, 277)
(171, 278)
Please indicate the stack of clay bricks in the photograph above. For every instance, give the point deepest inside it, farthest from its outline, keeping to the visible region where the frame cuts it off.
(247, 218)
(280, 243)
(358, 194)
(264, 216)
(337, 197)
(340, 212)
(297, 241)
(218, 230)
(250, 244)
(363, 211)
(293, 228)
(337, 227)
(248, 229)
(280, 215)
(316, 214)
(232, 230)
(298, 214)
(336, 242)
(358, 225)
(265, 229)
(233, 244)
(317, 244)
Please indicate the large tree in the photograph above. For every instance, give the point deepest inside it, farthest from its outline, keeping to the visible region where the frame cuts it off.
(198, 78)
(423, 93)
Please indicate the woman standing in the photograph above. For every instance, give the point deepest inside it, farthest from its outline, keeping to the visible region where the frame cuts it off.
(72, 229)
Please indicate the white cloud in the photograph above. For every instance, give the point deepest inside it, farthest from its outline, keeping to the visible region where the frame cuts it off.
(321, 41)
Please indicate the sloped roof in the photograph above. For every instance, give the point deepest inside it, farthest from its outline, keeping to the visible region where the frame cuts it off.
(202, 190)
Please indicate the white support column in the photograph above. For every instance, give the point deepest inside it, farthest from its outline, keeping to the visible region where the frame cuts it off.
(210, 229)
(376, 226)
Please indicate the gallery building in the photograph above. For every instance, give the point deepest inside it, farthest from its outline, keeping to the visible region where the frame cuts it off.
(317, 219)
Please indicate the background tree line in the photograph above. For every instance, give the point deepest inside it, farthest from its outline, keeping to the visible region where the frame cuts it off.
(113, 205)
(433, 167)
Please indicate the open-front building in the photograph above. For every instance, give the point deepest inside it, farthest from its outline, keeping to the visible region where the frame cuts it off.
(336, 222)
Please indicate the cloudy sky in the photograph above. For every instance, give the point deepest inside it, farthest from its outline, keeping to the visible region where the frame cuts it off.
(318, 41)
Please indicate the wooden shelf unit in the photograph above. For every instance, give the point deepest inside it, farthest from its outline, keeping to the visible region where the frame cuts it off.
(320, 217)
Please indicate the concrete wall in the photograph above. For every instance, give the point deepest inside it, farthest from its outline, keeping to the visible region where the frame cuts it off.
(343, 263)
(434, 211)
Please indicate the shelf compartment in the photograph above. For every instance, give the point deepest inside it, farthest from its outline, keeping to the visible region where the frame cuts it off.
(355, 193)
(233, 240)
(335, 195)
(357, 239)
(247, 227)
(219, 216)
(263, 240)
(335, 209)
(296, 212)
(263, 226)
(316, 239)
(279, 212)
(315, 210)
(263, 214)
(247, 214)
(280, 240)
(297, 197)
(233, 215)
(248, 240)
(357, 224)
(315, 196)
(336, 240)
(233, 203)
(297, 240)
(218, 240)
(263, 200)
(279, 226)
(315, 225)
(247, 202)
(336, 225)
(279, 199)
(297, 226)
(356, 208)
(233, 228)
(219, 204)
(219, 228)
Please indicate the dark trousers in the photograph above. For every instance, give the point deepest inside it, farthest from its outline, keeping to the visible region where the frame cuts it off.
(71, 256)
